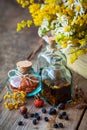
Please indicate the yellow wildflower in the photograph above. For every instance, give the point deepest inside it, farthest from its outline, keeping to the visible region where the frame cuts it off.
(18, 27)
(29, 23)
(23, 24)
(10, 106)
(82, 42)
(64, 45)
(14, 96)
(23, 93)
(72, 58)
(23, 3)
(80, 52)
(5, 97)
(50, 1)
(14, 100)
(33, 8)
(31, 1)
(7, 93)
(5, 103)
(16, 106)
(70, 2)
(69, 11)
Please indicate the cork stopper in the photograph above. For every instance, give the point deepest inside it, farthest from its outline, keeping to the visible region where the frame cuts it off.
(24, 66)
(52, 42)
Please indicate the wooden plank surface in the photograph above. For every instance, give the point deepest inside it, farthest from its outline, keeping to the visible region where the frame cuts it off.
(83, 125)
(9, 119)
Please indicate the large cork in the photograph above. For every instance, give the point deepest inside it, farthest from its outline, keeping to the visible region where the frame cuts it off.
(24, 66)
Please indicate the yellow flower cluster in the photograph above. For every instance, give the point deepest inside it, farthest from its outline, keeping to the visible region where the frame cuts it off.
(23, 3)
(68, 19)
(39, 12)
(23, 24)
(48, 11)
(14, 100)
(75, 56)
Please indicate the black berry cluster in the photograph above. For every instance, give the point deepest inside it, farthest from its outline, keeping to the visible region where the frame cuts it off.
(63, 115)
(36, 118)
(52, 111)
(59, 125)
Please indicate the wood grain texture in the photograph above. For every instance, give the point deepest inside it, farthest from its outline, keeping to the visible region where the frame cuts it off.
(9, 119)
(83, 125)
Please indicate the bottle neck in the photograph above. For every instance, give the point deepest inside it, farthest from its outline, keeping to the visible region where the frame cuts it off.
(51, 47)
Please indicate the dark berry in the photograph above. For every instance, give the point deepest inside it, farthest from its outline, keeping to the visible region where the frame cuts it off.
(61, 106)
(43, 110)
(20, 123)
(36, 115)
(32, 115)
(60, 125)
(66, 117)
(60, 116)
(63, 113)
(55, 126)
(52, 111)
(25, 116)
(34, 122)
(46, 119)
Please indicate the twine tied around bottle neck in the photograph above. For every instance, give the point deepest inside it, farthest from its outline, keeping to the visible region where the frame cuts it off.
(20, 75)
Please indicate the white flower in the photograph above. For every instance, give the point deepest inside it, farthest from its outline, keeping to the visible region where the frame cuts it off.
(78, 8)
(69, 4)
(62, 20)
(60, 24)
(53, 24)
(60, 30)
(43, 28)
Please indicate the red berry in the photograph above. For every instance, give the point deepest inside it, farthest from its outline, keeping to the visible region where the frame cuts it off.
(38, 102)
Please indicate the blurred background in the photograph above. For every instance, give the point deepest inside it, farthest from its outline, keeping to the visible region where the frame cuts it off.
(14, 46)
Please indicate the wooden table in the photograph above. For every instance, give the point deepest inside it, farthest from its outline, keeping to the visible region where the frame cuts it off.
(9, 119)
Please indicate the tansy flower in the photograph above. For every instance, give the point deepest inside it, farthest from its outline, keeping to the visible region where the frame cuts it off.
(72, 58)
(29, 23)
(50, 1)
(70, 2)
(31, 1)
(23, 3)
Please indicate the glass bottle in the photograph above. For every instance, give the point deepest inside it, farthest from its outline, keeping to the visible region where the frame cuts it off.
(56, 81)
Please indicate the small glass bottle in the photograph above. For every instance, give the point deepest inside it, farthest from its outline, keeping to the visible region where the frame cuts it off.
(56, 81)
